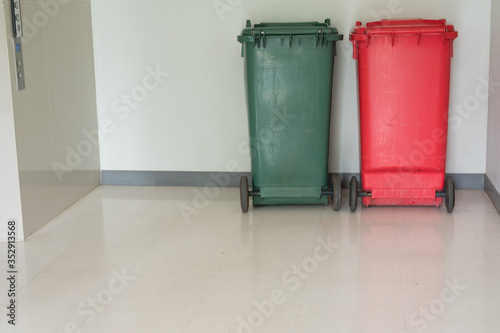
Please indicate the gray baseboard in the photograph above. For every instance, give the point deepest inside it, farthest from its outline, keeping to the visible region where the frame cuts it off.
(232, 179)
(468, 181)
(492, 193)
(172, 178)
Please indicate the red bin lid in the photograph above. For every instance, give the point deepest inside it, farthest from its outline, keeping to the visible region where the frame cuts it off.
(405, 26)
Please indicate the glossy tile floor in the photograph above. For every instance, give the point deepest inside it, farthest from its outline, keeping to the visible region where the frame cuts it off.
(158, 259)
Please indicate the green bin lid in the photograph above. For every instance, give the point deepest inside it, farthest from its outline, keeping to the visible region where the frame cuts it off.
(289, 29)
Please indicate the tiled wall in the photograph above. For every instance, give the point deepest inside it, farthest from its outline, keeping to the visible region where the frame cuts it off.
(58, 163)
(10, 202)
(493, 163)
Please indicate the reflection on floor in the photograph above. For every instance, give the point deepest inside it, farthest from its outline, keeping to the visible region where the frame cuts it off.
(173, 259)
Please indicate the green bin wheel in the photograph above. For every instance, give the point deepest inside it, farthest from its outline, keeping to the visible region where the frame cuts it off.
(449, 200)
(244, 198)
(337, 192)
(353, 194)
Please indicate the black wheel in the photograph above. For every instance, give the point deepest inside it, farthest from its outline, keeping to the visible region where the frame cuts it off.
(353, 194)
(244, 198)
(337, 192)
(449, 200)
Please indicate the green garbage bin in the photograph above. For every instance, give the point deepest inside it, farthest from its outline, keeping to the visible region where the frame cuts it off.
(288, 71)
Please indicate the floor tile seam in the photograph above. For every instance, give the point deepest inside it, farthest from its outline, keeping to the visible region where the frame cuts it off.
(47, 267)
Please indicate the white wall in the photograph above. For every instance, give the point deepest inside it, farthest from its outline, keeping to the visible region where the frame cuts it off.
(493, 164)
(57, 105)
(10, 197)
(195, 120)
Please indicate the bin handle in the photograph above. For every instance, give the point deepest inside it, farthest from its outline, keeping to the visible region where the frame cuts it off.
(452, 34)
(355, 38)
(335, 37)
(257, 38)
(358, 37)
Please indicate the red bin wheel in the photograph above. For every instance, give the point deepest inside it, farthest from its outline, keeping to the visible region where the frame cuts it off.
(449, 200)
(353, 194)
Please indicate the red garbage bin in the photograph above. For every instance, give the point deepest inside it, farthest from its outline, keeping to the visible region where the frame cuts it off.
(404, 83)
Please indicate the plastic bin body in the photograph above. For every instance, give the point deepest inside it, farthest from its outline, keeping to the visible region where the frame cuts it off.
(404, 82)
(288, 72)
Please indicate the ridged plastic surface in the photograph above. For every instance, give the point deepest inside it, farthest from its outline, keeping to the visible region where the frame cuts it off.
(289, 91)
(404, 82)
